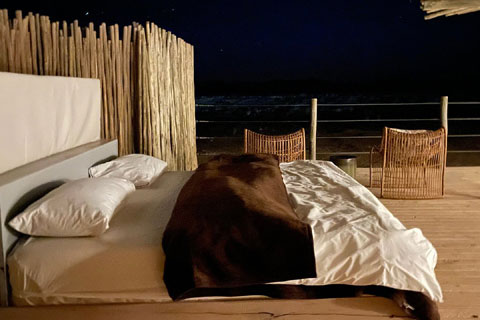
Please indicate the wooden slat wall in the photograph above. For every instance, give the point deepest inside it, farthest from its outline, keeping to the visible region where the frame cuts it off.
(146, 74)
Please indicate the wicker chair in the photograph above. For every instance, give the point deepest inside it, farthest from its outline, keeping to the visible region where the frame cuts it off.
(287, 147)
(409, 164)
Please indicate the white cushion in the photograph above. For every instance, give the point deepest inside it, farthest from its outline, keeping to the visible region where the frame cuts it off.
(78, 208)
(137, 168)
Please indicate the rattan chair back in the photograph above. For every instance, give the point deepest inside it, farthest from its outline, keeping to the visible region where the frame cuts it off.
(288, 147)
(409, 164)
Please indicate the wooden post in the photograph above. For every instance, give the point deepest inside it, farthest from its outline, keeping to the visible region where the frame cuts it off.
(444, 117)
(444, 113)
(382, 181)
(313, 130)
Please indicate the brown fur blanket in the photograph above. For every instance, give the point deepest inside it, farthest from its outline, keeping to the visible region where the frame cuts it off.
(233, 226)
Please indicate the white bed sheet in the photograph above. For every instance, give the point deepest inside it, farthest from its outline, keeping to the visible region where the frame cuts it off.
(356, 239)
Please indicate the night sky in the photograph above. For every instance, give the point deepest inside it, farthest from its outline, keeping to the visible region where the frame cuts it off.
(304, 46)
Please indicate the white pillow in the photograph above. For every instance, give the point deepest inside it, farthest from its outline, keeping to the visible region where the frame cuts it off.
(78, 208)
(137, 168)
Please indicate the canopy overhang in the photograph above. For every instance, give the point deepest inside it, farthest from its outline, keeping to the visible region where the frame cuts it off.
(437, 8)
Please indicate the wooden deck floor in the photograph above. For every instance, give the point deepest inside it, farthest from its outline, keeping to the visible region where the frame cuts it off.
(452, 224)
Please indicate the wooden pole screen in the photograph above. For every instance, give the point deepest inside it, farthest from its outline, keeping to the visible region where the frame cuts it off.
(146, 75)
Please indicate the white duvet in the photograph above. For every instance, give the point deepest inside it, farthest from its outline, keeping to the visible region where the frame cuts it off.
(357, 240)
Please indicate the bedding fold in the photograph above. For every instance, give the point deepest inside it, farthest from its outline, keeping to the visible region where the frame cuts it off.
(357, 239)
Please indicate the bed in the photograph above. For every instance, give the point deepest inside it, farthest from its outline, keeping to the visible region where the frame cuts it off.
(125, 264)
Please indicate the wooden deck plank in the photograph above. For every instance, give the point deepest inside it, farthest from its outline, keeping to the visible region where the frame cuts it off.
(452, 224)
(355, 308)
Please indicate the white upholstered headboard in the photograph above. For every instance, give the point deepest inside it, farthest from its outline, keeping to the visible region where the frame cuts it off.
(49, 133)
(43, 115)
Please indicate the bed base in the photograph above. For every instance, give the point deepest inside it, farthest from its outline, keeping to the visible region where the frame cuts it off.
(23, 185)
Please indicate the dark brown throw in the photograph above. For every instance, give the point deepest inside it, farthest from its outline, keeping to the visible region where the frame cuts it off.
(233, 226)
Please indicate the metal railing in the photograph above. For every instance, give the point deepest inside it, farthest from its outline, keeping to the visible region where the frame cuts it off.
(459, 120)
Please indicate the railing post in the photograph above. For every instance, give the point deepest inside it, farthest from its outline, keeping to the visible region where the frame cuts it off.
(444, 113)
(313, 130)
(444, 117)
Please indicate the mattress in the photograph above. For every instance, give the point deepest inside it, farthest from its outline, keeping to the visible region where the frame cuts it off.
(124, 264)
(357, 241)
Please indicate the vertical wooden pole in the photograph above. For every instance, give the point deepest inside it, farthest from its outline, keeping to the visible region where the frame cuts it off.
(444, 117)
(245, 145)
(313, 130)
(444, 113)
(384, 164)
